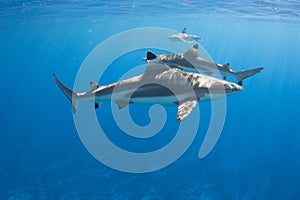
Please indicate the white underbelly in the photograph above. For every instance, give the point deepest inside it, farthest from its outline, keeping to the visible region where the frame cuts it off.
(168, 100)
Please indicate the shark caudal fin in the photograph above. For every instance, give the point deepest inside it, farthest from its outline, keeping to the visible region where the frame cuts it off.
(241, 75)
(72, 96)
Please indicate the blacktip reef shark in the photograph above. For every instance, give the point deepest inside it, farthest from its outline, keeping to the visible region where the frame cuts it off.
(153, 87)
(184, 37)
(191, 61)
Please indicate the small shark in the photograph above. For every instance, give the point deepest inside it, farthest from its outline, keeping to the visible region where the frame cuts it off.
(158, 85)
(184, 37)
(191, 61)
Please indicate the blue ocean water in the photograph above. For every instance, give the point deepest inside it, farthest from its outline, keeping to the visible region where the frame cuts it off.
(41, 154)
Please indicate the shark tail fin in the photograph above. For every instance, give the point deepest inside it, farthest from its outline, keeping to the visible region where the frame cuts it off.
(71, 95)
(241, 75)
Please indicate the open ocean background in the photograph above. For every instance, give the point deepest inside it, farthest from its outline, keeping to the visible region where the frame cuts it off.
(41, 155)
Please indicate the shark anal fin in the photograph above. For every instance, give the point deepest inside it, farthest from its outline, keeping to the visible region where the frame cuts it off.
(185, 108)
(122, 103)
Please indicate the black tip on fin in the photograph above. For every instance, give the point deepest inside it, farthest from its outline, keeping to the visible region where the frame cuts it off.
(54, 76)
(151, 56)
(240, 83)
(96, 105)
(196, 46)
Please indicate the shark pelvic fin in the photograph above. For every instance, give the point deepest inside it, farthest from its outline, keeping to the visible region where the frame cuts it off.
(185, 108)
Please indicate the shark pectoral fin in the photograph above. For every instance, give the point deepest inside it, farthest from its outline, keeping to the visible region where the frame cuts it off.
(122, 103)
(93, 86)
(185, 108)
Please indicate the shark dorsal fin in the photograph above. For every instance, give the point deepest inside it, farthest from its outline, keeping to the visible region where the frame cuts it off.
(151, 56)
(154, 69)
(192, 52)
(226, 66)
(184, 30)
(93, 86)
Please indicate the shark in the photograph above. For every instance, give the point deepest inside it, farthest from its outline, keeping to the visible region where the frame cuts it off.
(191, 61)
(184, 37)
(158, 85)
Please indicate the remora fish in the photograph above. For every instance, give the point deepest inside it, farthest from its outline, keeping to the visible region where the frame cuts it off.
(184, 37)
(191, 61)
(158, 85)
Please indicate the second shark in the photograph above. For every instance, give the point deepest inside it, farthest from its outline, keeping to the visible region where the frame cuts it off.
(191, 61)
